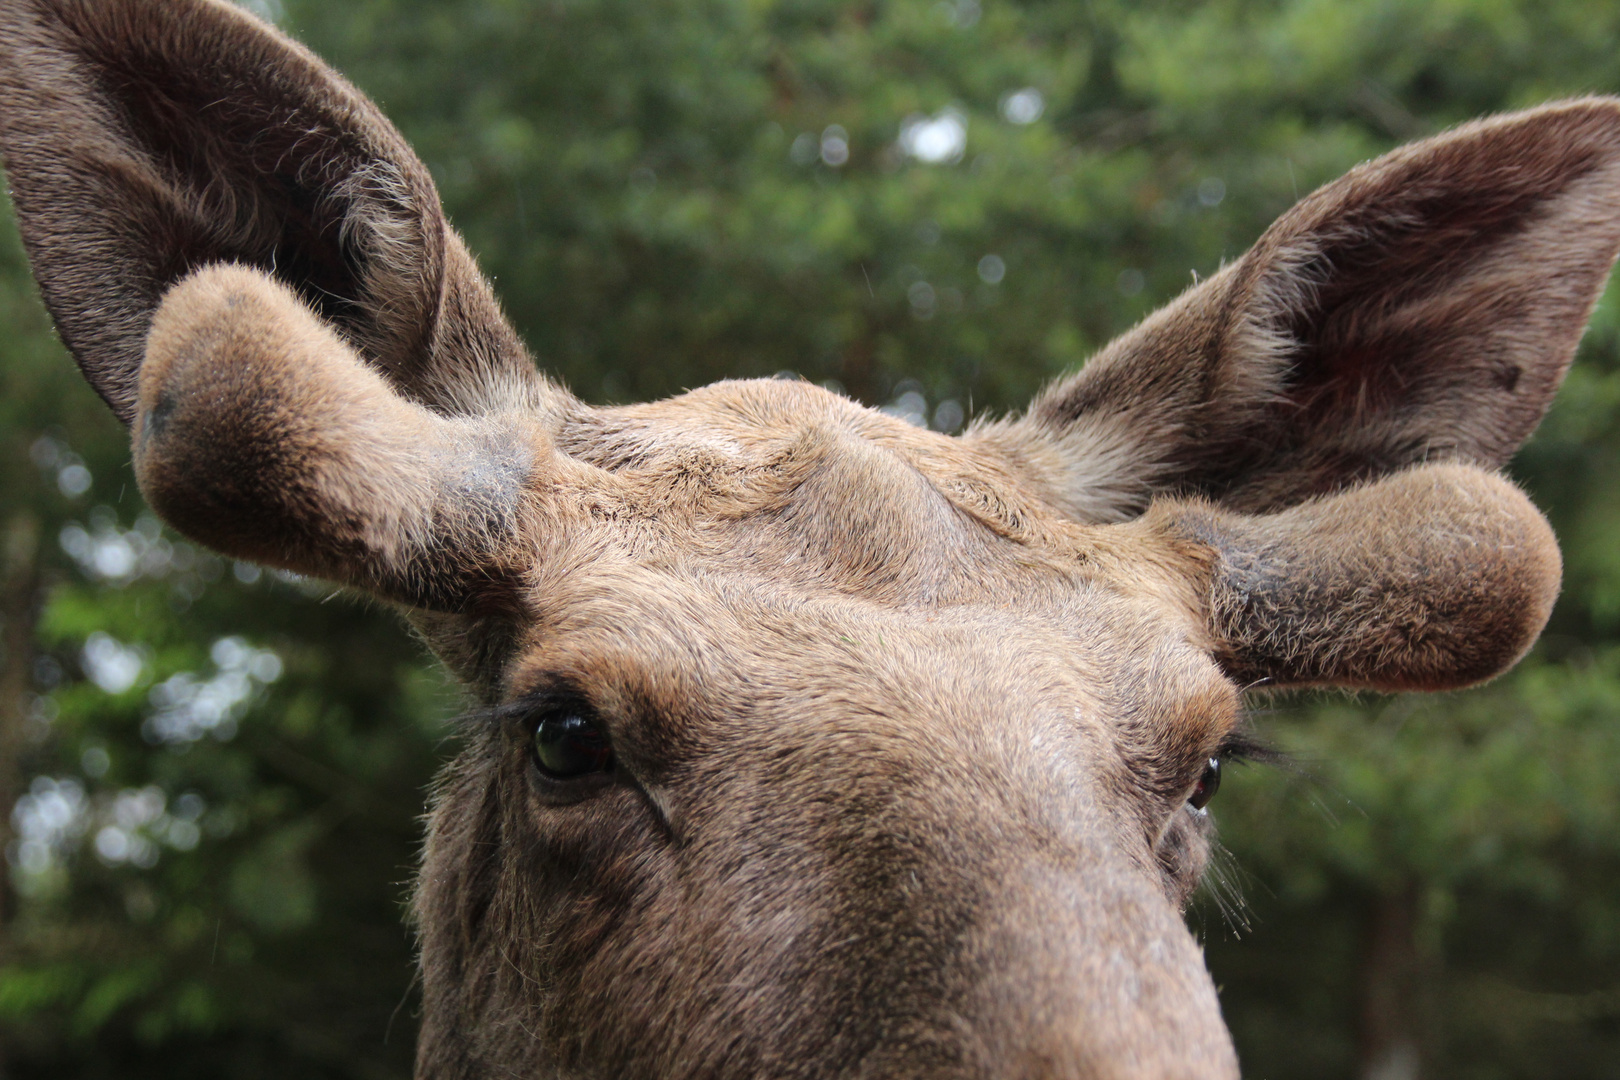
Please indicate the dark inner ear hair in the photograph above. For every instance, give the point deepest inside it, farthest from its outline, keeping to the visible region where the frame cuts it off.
(1361, 279)
(288, 223)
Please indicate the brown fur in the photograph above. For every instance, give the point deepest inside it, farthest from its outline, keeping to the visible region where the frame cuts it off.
(904, 726)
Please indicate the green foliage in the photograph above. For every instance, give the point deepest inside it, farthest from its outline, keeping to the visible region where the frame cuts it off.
(668, 193)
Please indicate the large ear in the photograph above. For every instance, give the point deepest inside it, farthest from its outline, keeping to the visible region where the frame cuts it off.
(144, 139)
(1423, 307)
(1433, 578)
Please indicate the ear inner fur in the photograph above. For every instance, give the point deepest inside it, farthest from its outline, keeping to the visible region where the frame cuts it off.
(1422, 307)
(261, 434)
(1435, 578)
(141, 147)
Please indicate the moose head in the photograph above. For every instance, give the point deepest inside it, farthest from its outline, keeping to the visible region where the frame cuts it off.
(815, 744)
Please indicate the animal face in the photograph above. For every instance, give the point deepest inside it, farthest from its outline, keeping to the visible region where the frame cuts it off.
(813, 744)
(870, 759)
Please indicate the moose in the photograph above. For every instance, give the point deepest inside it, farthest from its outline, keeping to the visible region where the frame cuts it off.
(813, 743)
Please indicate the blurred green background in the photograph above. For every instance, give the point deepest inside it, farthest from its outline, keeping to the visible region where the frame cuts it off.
(212, 777)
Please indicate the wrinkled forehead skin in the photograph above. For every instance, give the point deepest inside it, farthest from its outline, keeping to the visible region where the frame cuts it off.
(902, 763)
(781, 496)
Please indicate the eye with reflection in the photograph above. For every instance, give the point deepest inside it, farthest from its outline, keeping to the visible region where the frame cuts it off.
(1207, 785)
(570, 743)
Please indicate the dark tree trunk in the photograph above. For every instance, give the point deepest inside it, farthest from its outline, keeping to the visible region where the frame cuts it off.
(19, 608)
(1394, 984)
(857, 368)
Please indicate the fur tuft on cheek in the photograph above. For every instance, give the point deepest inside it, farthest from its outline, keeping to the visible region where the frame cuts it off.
(1183, 853)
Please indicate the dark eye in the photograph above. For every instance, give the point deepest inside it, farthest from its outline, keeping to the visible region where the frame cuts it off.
(1207, 785)
(569, 743)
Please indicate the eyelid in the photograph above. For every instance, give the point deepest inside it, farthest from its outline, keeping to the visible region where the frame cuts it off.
(1238, 744)
(520, 710)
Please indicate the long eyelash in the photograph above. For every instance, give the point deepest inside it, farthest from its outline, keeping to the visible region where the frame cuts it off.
(1224, 880)
(482, 716)
(1242, 744)
(1246, 746)
(487, 716)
